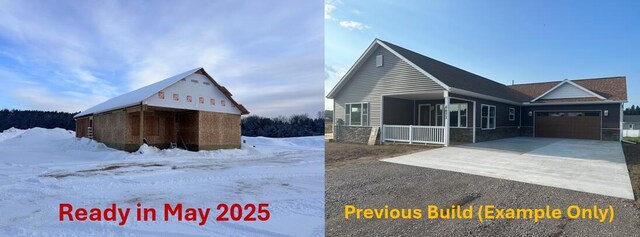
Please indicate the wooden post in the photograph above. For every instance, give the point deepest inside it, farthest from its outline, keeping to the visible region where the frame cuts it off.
(141, 124)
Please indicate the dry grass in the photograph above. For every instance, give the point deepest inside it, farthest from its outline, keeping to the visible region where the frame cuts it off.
(632, 154)
(340, 154)
(632, 139)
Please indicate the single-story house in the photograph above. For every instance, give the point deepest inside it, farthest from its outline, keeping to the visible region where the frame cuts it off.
(631, 122)
(410, 97)
(189, 110)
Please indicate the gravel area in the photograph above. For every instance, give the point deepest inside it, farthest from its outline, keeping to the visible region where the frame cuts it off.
(374, 184)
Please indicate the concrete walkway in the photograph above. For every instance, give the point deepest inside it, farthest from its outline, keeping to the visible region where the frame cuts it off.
(583, 165)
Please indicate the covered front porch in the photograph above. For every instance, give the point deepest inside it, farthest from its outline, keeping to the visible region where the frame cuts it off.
(427, 118)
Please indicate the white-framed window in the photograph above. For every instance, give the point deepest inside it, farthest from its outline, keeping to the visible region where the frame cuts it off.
(379, 61)
(357, 114)
(458, 115)
(488, 116)
(631, 126)
(512, 114)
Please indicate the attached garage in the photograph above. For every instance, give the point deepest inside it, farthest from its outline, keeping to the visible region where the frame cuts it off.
(568, 124)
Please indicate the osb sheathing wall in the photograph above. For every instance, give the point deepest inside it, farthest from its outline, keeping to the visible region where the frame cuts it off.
(110, 128)
(198, 130)
(187, 124)
(82, 125)
(219, 130)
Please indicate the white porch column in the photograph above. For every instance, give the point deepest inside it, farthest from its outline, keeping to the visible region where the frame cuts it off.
(445, 115)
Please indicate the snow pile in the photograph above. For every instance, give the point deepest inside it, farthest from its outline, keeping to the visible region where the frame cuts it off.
(84, 144)
(10, 133)
(307, 142)
(148, 150)
(36, 136)
(40, 168)
(291, 142)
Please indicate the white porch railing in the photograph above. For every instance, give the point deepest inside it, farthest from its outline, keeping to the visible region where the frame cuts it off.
(630, 133)
(413, 134)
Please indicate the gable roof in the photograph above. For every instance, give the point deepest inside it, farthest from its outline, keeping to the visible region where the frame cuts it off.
(447, 76)
(456, 79)
(137, 96)
(573, 86)
(609, 88)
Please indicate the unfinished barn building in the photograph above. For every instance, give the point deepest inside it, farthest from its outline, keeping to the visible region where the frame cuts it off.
(190, 111)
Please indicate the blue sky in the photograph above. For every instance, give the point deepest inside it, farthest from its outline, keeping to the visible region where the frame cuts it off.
(70, 55)
(524, 41)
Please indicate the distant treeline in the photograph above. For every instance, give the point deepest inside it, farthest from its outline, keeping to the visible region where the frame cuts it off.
(24, 119)
(633, 110)
(293, 126)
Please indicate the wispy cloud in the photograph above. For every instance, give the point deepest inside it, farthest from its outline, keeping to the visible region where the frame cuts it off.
(328, 8)
(353, 25)
(331, 6)
(77, 54)
(332, 73)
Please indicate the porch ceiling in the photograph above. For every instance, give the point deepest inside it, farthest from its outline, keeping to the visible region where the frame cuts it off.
(421, 96)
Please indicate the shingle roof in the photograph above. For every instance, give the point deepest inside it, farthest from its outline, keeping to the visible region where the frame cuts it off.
(137, 96)
(611, 88)
(456, 77)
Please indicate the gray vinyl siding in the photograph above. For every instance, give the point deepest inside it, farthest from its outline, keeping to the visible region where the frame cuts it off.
(566, 90)
(369, 83)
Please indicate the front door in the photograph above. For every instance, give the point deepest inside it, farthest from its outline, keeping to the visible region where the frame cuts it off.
(424, 115)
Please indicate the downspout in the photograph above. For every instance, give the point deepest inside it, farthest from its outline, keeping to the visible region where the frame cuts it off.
(621, 120)
(333, 118)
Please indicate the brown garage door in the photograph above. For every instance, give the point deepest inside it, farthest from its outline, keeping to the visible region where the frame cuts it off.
(568, 124)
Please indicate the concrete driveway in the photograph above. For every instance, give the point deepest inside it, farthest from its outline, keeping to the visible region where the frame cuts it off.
(583, 165)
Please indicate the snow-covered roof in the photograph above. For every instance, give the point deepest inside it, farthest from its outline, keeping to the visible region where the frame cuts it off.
(137, 96)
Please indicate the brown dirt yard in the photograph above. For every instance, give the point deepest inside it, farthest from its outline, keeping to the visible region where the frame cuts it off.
(340, 154)
(632, 154)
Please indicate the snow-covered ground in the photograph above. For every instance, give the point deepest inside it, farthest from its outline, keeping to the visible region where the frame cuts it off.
(41, 168)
